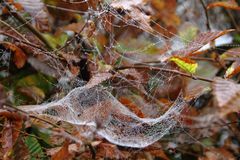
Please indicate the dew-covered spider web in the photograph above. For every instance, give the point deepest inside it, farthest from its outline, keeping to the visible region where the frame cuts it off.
(96, 106)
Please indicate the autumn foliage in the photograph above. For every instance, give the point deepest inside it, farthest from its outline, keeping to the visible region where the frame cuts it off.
(162, 72)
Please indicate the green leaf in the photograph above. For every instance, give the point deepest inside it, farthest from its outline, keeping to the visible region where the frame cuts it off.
(185, 64)
(32, 89)
(34, 148)
(56, 41)
(236, 38)
(46, 83)
(138, 46)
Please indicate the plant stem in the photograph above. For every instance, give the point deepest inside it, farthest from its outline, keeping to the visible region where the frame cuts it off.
(13, 29)
(166, 70)
(11, 108)
(206, 14)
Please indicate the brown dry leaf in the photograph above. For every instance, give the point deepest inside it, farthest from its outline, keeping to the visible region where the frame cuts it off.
(134, 12)
(6, 139)
(66, 10)
(233, 69)
(107, 150)
(135, 109)
(74, 69)
(63, 153)
(226, 92)
(108, 22)
(46, 65)
(16, 5)
(12, 126)
(19, 57)
(142, 19)
(159, 153)
(229, 4)
(234, 52)
(217, 154)
(187, 114)
(3, 96)
(75, 27)
(166, 12)
(39, 13)
(201, 40)
(125, 4)
(98, 78)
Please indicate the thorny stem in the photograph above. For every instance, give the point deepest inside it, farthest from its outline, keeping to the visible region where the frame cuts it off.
(30, 27)
(166, 70)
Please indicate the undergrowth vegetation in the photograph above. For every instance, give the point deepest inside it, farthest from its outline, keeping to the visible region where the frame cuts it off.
(119, 79)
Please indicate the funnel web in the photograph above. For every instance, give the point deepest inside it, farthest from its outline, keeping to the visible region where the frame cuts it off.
(98, 108)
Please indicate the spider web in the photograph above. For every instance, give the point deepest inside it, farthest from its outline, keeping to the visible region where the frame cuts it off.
(96, 106)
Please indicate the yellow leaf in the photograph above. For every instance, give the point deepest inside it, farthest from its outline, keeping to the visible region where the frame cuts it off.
(185, 64)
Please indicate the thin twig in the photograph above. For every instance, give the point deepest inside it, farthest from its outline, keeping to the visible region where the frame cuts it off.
(140, 90)
(30, 27)
(206, 14)
(13, 29)
(22, 41)
(233, 20)
(31, 45)
(215, 124)
(157, 62)
(9, 107)
(166, 70)
(211, 59)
